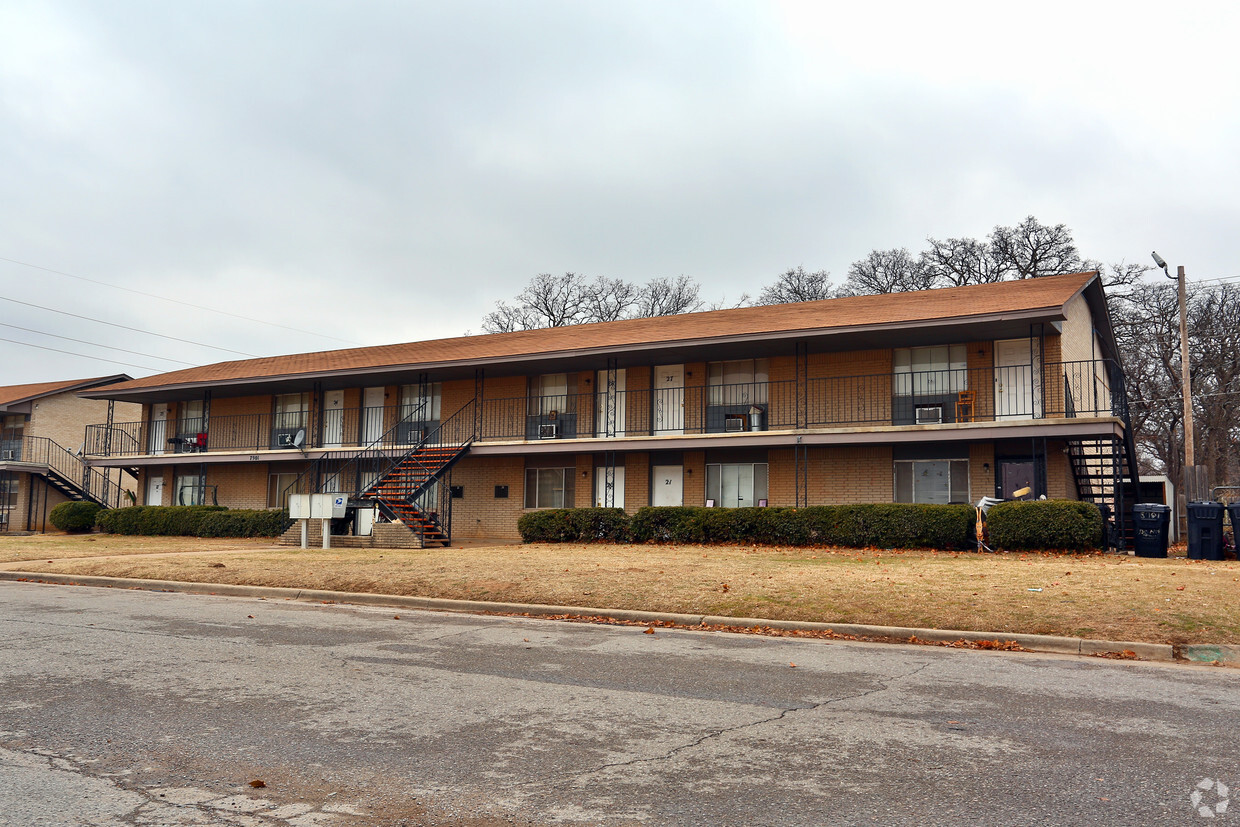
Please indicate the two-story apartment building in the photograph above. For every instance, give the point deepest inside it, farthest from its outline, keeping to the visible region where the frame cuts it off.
(42, 432)
(937, 396)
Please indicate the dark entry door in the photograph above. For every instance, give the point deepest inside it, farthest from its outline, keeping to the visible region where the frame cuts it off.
(1015, 475)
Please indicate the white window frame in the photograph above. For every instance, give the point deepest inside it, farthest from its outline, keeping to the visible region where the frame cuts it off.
(930, 371)
(918, 469)
(550, 394)
(191, 481)
(745, 379)
(292, 410)
(411, 400)
(758, 478)
(536, 496)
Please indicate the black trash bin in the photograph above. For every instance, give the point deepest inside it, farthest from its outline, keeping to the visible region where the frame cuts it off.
(1205, 531)
(1152, 521)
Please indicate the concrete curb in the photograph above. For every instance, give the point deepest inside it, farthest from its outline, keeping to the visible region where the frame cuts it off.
(1037, 643)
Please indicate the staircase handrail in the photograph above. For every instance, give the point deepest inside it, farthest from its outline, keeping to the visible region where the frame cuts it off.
(374, 451)
(70, 467)
(453, 425)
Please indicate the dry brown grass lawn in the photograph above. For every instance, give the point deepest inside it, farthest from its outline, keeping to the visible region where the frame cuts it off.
(1100, 596)
(55, 546)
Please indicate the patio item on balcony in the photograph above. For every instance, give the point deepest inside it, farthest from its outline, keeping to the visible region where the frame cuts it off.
(965, 406)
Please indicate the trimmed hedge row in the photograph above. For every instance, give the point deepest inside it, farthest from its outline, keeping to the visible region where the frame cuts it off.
(192, 521)
(889, 525)
(1039, 524)
(74, 517)
(1044, 524)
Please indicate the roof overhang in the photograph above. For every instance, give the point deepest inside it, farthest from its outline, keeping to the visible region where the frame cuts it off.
(913, 333)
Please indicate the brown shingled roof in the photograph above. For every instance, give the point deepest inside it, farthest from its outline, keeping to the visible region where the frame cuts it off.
(13, 394)
(1045, 293)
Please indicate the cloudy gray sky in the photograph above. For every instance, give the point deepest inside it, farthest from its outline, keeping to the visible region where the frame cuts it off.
(385, 171)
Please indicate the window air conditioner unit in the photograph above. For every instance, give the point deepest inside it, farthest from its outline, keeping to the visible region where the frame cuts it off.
(8, 454)
(930, 415)
(734, 423)
(549, 430)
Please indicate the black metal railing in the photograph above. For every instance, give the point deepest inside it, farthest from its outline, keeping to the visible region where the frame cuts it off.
(75, 476)
(356, 476)
(962, 395)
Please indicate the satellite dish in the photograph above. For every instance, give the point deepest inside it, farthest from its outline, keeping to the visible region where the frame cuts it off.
(300, 439)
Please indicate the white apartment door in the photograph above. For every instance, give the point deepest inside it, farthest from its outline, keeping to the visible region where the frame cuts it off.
(610, 402)
(333, 419)
(157, 438)
(669, 399)
(155, 490)
(669, 485)
(1017, 389)
(372, 414)
(600, 488)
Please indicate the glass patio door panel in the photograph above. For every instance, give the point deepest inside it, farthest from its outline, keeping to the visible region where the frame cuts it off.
(1018, 392)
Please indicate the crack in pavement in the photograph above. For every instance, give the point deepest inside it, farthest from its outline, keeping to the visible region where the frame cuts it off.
(717, 733)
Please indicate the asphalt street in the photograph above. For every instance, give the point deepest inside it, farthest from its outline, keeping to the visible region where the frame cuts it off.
(134, 708)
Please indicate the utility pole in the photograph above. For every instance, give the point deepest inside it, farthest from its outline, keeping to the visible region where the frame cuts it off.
(1189, 458)
(1194, 480)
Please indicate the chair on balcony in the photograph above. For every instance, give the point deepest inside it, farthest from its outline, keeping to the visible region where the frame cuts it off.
(965, 406)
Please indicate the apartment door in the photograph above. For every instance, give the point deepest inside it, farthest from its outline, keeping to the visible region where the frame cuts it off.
(157, 437)
(333, 419)
(1017, 389)
(669, 399)
(669, 485)
(1015, 475)
(609, 404)
(372, 414)
(600, 488)
(155, 490)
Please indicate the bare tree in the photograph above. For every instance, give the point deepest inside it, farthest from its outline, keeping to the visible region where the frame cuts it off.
(547, 301)
(796, 285)
(1032, 249)
(888, 271)
(606, 300)
(960, 261)
(665, 297)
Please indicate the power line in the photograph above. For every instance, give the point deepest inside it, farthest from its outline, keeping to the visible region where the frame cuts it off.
(1180, 398)
(83, 355)
(134, 329)
(178, 301)
(96, 344)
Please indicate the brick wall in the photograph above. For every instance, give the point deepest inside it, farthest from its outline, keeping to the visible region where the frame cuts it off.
(981, 478)
(1059, 482)
(478, 513)
(849, 388)
(636, 481)
(695, 478)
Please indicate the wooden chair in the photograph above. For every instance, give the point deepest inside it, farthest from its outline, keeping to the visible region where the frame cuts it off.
(965, 406)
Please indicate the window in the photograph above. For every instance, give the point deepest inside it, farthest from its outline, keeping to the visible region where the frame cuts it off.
(277, 489)
(8, 489)
(736, 485)
(188, 491)
(927, 371)
(12, 427)
(939, 481)
(550, 393)
(549, 487)
(742, 382)
(190, 418)
(417, 406)
(292, 410)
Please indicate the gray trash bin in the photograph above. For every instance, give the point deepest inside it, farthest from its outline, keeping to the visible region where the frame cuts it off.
(1152, 522)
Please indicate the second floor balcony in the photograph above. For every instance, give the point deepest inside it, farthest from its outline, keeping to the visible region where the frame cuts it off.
(896, 399)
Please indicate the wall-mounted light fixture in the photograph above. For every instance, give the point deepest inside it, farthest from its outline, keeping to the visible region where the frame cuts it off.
(986, 467)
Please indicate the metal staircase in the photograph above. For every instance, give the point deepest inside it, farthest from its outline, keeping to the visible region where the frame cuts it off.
(1105, 469)
(63, 470)
(413, 487)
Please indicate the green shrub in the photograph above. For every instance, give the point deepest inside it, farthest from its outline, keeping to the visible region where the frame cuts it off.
(192, 521)
(74, 517)
(1044, 524)
(574, 525)
(885, 525)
